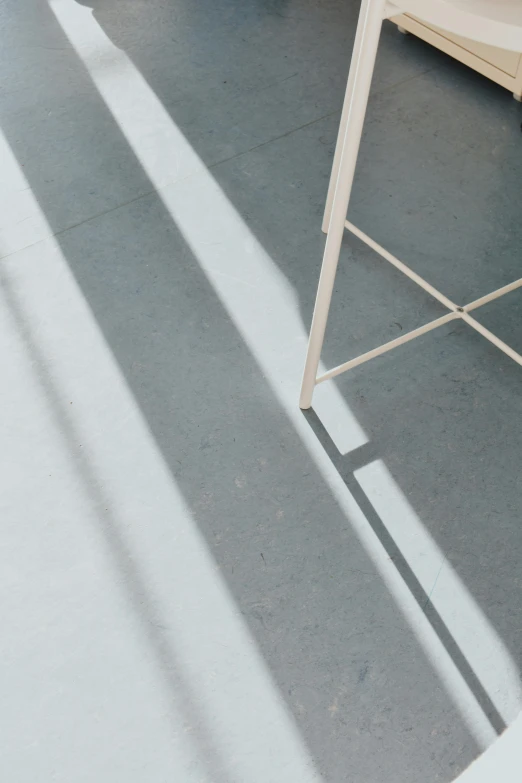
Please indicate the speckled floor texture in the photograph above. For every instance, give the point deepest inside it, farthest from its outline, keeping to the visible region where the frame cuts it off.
(200, 583)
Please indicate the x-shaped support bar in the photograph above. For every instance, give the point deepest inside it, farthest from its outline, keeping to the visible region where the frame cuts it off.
(454, 312)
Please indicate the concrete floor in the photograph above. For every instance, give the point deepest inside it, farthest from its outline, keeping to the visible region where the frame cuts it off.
(199, 582)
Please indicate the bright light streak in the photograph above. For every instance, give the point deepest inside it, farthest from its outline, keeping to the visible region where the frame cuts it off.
(176, 649)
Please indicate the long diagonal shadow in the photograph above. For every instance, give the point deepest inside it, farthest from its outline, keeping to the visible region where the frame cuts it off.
(346, 465)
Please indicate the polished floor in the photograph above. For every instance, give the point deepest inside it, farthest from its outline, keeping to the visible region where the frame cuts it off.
(200, 583)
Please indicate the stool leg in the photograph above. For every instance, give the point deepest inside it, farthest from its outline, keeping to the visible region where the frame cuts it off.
(342, 125)
(370, 21)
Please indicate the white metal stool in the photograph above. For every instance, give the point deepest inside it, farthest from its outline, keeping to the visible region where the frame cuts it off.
(494, 22)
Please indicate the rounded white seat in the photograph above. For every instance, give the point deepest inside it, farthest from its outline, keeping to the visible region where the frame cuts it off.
(493, 22)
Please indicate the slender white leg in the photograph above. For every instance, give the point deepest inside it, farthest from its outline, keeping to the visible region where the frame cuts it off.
(342, 125)
(370, 22)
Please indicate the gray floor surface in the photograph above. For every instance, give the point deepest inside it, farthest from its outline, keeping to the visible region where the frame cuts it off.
(201, 583)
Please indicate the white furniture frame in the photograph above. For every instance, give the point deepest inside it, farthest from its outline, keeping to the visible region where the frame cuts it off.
(492, 22)
(499, 65)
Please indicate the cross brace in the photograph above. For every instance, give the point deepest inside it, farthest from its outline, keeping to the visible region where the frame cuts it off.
(455, 311)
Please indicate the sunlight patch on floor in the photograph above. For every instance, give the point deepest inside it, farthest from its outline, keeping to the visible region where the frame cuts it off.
(468, 625)
(154, 641)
